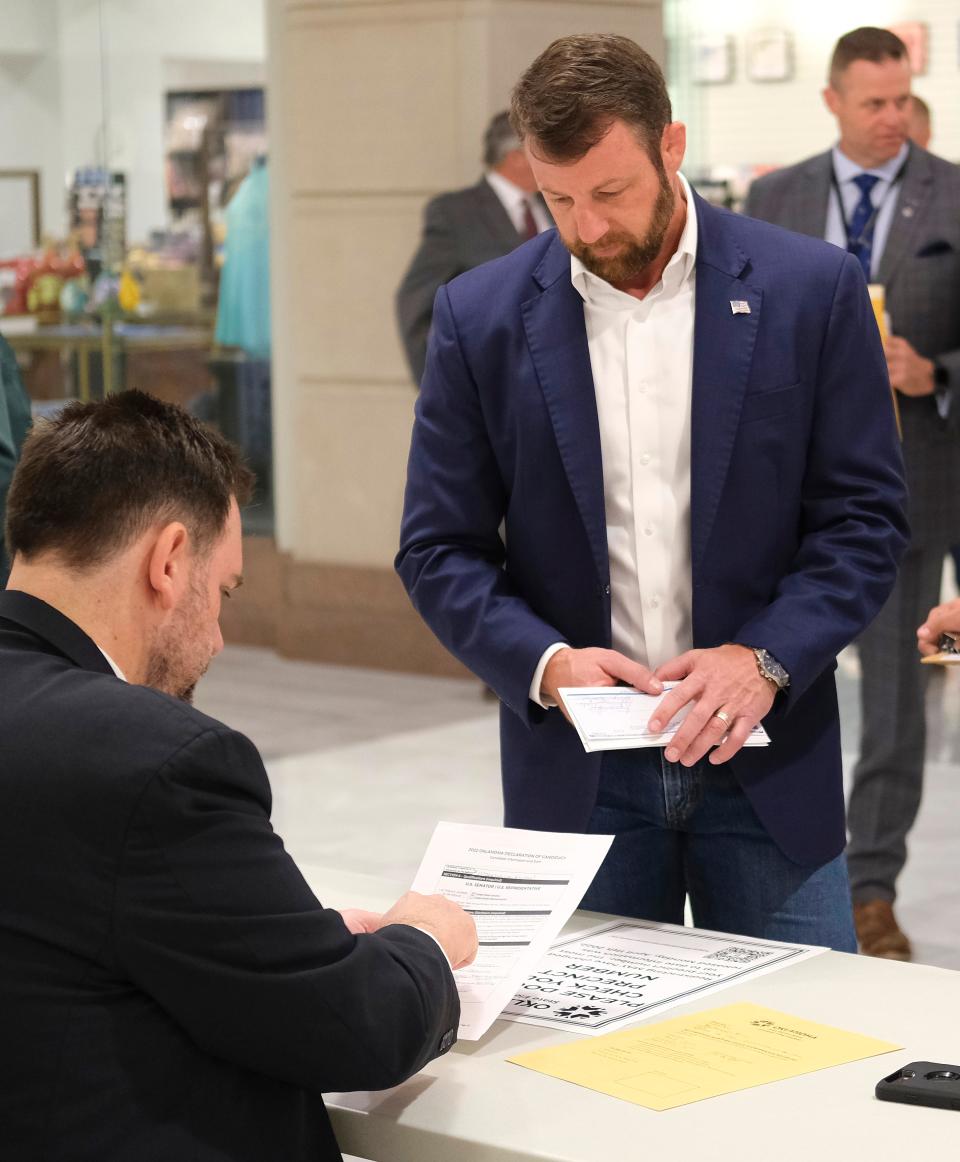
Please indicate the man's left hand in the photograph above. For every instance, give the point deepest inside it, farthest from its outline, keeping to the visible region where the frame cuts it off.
(725, 678)
(909, 372)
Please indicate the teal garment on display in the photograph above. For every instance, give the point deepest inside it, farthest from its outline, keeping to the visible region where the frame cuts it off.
(14, 424)
(243, 313)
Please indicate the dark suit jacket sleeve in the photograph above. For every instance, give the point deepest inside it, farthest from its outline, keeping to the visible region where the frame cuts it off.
(754, 202)
(853, 528)
(435, 262)
(768, 194)
(451, 553)
(750, 202)
(216, 924)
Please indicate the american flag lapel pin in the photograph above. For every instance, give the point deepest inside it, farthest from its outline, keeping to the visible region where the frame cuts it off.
(739, 307)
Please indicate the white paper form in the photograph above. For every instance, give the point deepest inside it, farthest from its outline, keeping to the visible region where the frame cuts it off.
(521, 887)
(626, 970)
(618, 717)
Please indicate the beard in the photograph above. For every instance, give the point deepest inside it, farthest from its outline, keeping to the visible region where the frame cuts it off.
(635, 254)
(178, 658)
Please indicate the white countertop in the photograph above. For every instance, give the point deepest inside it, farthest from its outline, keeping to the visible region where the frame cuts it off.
(472, 1105)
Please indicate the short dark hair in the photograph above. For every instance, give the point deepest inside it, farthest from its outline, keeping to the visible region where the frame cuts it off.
(95, 477)
(499, 139)
(865, 44)
(569, 97)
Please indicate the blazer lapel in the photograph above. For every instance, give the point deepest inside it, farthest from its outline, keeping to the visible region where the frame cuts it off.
(557, 338)
(53, 627)
(908, 215)
(724, 338)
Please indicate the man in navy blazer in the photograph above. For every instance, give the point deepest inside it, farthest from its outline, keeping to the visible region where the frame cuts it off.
(658, 445)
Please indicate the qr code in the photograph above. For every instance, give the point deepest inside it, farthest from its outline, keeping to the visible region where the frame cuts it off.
(738, 955)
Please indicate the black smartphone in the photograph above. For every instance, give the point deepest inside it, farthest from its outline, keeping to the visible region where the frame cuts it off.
(923, 1083)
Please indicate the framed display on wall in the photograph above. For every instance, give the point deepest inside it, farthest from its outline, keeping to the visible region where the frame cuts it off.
(713, 59)
(770, 55)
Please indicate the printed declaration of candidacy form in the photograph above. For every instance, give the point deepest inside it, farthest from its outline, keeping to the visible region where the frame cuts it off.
(521, 887)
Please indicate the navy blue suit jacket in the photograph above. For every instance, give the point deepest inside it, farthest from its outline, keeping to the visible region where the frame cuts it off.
(796, 501)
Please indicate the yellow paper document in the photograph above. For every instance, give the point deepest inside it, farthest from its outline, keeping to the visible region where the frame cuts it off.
(673, 1063)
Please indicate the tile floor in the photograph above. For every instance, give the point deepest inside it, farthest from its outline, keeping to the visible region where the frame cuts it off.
(363, 763)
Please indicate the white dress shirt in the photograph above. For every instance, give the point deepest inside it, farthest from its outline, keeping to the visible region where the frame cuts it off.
(513, 200)
(641, 355)
(884, 194)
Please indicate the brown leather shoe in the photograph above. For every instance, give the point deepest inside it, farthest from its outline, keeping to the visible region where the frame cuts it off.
(878, 932)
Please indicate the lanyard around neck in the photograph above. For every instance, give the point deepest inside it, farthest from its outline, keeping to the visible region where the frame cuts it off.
(866, 234)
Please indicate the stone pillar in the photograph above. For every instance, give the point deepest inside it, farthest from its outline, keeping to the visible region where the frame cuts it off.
(373, 108)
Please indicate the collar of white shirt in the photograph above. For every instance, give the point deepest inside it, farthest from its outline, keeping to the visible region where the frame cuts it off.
(113, 665)
(846, 170)
(598, 292)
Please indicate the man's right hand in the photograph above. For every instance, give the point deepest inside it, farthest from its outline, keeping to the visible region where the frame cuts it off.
(453, 928)
(594, 667)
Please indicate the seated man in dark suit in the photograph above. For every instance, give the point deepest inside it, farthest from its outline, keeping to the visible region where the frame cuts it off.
(170, 988)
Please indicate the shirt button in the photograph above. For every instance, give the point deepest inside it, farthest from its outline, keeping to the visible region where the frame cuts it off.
(645, 458)
(649, 530)
(655, 602)
(642, 387)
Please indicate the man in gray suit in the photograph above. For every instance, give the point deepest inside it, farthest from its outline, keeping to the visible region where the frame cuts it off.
(897, 208)
(464, 228)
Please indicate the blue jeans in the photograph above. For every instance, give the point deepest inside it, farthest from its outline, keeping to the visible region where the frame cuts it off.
(692, 831)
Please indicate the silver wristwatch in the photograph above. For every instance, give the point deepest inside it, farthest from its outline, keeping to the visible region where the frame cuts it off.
(770, 668)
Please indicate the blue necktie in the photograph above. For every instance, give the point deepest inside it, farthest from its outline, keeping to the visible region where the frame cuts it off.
(857, 244)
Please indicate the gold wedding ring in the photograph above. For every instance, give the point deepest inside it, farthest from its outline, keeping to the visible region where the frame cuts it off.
(723, 716)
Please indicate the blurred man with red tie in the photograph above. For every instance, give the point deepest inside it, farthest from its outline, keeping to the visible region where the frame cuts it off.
(464, 228)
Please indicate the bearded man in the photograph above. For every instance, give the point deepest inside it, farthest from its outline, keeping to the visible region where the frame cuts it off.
(657, 445)
(169, 985)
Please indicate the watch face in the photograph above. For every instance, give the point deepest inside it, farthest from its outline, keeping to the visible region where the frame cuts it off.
(772, 668)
